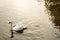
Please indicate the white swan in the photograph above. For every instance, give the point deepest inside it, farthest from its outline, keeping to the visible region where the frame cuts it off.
(18, 27)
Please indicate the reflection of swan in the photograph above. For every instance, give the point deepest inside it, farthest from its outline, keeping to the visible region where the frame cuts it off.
(18, 27)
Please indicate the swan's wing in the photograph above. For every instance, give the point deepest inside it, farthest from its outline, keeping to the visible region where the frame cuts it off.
(18, 27)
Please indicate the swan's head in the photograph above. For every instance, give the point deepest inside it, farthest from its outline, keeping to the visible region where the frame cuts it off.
(10, 23)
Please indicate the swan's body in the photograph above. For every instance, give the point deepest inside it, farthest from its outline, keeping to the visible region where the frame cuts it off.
(18, 27)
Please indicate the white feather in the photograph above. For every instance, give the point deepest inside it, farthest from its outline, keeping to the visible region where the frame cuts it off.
(18, 26)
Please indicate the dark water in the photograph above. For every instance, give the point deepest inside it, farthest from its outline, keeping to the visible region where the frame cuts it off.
(56, 12)
(54, 7)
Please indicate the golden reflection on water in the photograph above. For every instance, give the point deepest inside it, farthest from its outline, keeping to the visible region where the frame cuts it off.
(23, 11)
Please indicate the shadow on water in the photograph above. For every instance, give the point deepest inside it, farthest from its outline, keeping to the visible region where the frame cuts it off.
(54, 7)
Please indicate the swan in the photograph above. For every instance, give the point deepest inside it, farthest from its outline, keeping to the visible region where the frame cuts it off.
(18, 27)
